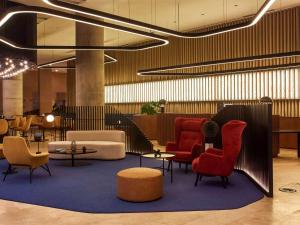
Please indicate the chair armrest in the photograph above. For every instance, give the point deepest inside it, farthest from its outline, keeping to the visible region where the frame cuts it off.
(197, 150)
(214, 151)
(171, 147)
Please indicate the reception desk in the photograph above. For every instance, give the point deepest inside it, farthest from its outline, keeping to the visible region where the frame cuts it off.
(289, 140)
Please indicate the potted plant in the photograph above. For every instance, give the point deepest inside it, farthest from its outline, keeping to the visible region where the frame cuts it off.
(150, 108)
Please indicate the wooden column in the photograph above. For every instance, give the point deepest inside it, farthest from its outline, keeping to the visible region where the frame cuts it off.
(71, 85)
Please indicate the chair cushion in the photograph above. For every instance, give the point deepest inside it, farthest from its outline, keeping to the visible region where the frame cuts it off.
(188, 139)
(97, 135)
(192, 125)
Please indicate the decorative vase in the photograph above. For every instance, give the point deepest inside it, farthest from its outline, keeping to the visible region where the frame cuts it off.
(73, 146)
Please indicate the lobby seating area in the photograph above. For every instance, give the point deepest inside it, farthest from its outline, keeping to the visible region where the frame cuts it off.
(149, 112)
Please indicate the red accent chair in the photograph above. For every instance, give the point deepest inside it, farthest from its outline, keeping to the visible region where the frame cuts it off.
(189, 140)
(217, 162)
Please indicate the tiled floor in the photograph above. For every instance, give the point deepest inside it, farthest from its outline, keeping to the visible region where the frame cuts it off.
(283, 209)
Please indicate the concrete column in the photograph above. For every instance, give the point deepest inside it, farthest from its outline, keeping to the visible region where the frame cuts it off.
(89, 67)
(31, 97)
(46, 91)
(13, 96)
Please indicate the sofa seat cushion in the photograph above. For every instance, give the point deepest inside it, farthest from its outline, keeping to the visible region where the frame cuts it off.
(108, 150)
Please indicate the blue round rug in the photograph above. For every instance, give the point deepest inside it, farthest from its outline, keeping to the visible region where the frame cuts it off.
(91, 188)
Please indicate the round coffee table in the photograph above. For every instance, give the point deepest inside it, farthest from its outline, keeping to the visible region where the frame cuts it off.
(80, 151)
(162, 156)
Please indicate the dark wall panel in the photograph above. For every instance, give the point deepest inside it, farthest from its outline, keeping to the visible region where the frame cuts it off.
(256, 154)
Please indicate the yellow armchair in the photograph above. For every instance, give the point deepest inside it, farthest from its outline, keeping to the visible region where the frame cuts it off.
(25, 126)
(17, 153)
(3, 126)
(1, 151)
(3, 132)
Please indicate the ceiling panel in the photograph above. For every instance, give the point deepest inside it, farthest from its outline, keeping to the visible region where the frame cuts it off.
(180, 15)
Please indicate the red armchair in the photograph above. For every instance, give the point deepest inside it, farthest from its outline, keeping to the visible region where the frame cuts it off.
(189, 140)
(216, 162)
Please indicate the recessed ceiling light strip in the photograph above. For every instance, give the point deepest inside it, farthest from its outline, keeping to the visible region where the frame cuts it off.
(161, 70)
(49, 65)
(161, 41)
(227, 72)
(100, 14)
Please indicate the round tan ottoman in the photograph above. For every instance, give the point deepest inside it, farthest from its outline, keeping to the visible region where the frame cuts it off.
(139, 184)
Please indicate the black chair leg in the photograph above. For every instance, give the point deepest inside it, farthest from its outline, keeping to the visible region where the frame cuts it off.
(224, 181)
(179, 165)
(7, 172)
(30, 174)
(47, 169)
(186, 167)
(169, 165)
(227, 180)
(197, 178)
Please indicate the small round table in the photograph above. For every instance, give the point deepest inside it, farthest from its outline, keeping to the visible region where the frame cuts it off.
(160, 156)
(80, 151)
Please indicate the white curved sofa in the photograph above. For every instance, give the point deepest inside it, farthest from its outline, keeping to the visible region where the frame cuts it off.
(110, 144)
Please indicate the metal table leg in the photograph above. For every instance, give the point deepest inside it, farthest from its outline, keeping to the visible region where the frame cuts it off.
(171, 163)
(298, 144)
(140, 160)
(163, 166)
(72, 160)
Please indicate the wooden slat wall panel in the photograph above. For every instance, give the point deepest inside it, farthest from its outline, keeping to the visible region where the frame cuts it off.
(276, 32)
(277, 84)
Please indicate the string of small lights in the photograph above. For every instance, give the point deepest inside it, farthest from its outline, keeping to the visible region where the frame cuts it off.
(13, 67)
